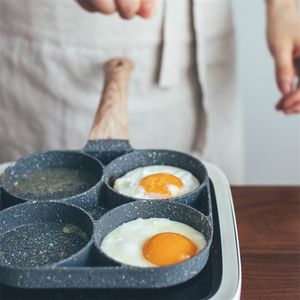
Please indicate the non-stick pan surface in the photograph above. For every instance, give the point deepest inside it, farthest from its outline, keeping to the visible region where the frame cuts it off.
(44, 233)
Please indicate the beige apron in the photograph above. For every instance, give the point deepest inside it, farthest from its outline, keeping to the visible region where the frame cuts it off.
(51, 62)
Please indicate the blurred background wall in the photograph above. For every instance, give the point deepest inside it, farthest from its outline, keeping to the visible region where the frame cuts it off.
(272, 139)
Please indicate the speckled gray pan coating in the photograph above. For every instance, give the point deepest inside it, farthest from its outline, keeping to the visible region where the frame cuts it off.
(46, 160)
(107, 150)
(106, 273)
(89, 160)
(98, 269)
(43, 233)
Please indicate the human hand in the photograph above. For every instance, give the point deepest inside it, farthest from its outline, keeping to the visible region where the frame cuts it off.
(127, 9)
(283, 34)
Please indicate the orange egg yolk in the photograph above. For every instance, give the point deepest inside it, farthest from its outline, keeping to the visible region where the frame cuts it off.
(168, 248)
(158, 183)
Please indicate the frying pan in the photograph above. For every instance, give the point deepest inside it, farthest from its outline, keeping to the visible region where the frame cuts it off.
(108, 142)
(106, 156)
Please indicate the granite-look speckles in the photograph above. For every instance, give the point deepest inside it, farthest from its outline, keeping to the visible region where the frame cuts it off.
(41, 233)
(98, 270)
(46, 160)
(107, 150)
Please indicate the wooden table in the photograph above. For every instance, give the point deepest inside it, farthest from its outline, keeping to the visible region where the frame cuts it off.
(268, 220)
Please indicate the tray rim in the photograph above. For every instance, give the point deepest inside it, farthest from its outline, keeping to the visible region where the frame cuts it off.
(230, 287)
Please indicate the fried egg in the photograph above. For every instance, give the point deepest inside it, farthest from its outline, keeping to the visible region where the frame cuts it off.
(152, 242)
(156, 182)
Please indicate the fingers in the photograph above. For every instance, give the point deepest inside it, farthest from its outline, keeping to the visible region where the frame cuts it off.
(85, 5)
(294, 109)
(284, 68)
(104, 6)
(291, 103)
(128, 8)
(147, 8)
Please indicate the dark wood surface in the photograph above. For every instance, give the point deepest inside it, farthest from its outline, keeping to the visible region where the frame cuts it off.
(268, 220)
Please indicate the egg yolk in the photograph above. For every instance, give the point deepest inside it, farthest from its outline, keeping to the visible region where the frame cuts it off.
(168, 248)
(158, 183)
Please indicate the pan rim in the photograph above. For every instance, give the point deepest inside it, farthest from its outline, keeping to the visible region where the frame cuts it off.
(10, 167)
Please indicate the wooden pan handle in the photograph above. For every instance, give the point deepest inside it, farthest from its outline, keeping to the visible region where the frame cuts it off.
(111, 119)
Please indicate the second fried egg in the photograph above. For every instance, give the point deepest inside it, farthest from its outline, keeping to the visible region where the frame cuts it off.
(156, 182)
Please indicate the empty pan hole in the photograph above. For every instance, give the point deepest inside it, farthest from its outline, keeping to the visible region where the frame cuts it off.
(40, 244)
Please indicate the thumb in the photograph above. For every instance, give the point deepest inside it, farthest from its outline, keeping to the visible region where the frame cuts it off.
(147, 8)
(284, 68)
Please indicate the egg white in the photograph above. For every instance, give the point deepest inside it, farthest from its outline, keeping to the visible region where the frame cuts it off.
(129, 184)
(125, 243)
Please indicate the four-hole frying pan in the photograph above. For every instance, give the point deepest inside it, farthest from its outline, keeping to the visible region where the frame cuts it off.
(59, 218)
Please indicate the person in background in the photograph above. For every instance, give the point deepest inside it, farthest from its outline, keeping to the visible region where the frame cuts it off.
(183, 92)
